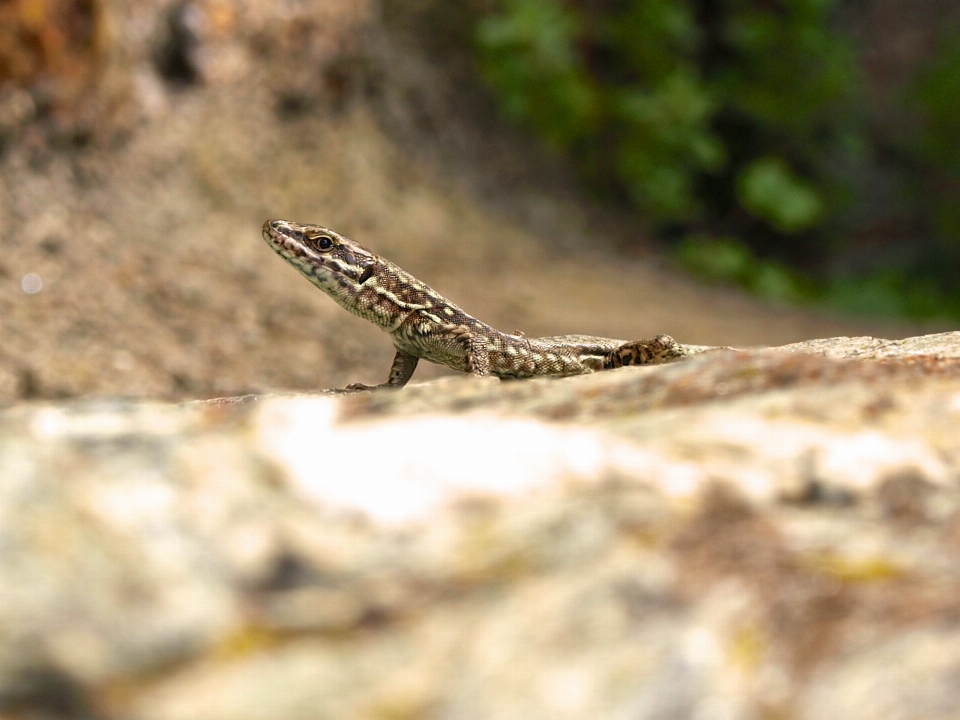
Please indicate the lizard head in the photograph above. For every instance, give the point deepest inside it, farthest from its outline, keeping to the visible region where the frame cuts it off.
(335, 264)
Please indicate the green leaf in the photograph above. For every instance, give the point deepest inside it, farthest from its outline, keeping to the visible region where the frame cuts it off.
(722, 259)
(769, 190)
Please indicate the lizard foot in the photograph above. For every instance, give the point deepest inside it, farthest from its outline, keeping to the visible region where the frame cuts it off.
(360, 387)
(660, 349)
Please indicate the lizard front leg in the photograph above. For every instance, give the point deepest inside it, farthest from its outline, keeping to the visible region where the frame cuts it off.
(400, 373)
(402, 369)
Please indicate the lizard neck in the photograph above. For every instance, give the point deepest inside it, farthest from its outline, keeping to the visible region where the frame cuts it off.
(387, 298)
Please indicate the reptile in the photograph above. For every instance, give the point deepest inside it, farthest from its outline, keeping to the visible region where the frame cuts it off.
(425, 325)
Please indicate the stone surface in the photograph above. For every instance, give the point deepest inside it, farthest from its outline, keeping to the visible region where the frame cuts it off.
(750, 534)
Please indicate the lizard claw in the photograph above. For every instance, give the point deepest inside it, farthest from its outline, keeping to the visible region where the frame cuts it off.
(360, 387)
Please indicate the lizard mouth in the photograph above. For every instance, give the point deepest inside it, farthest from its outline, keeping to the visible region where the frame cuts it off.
(283, 239)
(273, 233)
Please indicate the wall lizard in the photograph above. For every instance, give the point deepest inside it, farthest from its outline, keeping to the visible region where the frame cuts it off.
(424, 324)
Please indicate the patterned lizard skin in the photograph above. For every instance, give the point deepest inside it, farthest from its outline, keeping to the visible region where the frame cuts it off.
(424, 324)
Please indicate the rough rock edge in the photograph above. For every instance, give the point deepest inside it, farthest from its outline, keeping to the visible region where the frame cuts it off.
(738, 534)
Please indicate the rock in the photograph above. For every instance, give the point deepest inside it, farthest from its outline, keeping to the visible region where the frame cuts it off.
(743, 534)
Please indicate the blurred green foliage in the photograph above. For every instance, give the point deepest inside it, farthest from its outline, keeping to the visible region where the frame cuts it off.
(641, 90)
(729, 260)
(538, 71)
(746, 129)
(937, 92)
(768, 189)
(891, 293)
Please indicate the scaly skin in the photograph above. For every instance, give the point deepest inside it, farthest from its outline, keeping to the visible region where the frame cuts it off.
(424, 324)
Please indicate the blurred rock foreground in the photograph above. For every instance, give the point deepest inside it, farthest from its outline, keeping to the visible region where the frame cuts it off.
(743, 535)
(763, 534)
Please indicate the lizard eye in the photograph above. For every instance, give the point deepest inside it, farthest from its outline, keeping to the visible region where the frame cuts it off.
(325, 243)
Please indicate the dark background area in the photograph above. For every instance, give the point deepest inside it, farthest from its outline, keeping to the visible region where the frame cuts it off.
(550, 167)
(805, 149)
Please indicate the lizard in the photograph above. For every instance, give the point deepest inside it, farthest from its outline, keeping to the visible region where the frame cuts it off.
(425, 325)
